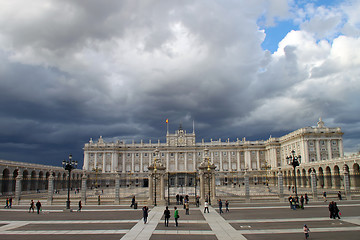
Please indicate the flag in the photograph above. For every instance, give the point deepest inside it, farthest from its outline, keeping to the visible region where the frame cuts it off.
(167, 120)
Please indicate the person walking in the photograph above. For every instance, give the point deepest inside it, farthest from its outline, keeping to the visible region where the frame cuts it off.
(339, 196)
(167, 216)
(132, 202)
(306, 198)
(206, 207)
(226, 206)
(32, 206)
(38, 207)
(177, 199)
(336, 211)
(324, 196)
(7, 203)
(80, 206)
(331, 209)
(302, 202)
(197, 201)
(220, 207)
(306, 231)
(145, 210)
(187, 208)
(176, 216)
(10, 202)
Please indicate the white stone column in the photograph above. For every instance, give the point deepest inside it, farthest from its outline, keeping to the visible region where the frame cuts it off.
(162, 189)
(213, 188)
(194, 160)
(202, 188)
(221, 162)
(133, 162)
(307, 159)
(141, 162)
(346, 184)
(329, 149)
(317, 145)
(341, 148)
(247, 159)
(116, 162)
(238, 160)
(104, 161)
(258, 160)
(229, 158)
(176, 162)
(95, 162)
(185, 164)
(86, 161)
(123, 162)
(168, 161)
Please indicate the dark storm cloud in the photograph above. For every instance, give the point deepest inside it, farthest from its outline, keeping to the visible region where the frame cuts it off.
(75, 70)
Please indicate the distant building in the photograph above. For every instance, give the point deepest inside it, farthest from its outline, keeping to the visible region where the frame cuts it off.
(181, 154)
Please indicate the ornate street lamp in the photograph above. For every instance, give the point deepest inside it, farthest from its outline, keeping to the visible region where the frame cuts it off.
(69, 165)
(294, 161)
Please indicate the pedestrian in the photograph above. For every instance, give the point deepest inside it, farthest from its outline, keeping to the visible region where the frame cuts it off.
(10, 202)
(331, 209)
(187, 208)
(197, 201)
(226, 206)
(38, 207)
(339, 196)
(181, 199)
(80, 206)
(306, 198)
(290, 199)
(324, 196)
(176, 216)
(177, 199)
(220, 206)
(7, 203)
(32, 206)
(306, 231)
(206, 206)
(167, 216)
(132, 202)
(145, 210)
(301, 202)
(336, 211)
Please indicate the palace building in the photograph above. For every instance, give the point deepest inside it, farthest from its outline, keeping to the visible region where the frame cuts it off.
(181, 154)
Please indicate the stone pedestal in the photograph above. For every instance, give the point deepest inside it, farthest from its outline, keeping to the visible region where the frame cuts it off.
(50, 190)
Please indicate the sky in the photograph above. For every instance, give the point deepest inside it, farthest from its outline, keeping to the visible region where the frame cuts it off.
(75, 70)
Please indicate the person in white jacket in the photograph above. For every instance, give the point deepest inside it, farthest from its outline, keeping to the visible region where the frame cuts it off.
(206, 205)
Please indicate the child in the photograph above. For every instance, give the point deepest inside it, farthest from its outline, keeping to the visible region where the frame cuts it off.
(306, 231)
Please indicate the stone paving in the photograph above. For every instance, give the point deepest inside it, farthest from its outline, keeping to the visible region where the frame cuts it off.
(244, 221)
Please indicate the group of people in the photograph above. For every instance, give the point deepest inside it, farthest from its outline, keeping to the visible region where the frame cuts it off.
(167, 215)
(32, 206)
(8, 203)
(296, 202)
(221, 205)
(334, 210)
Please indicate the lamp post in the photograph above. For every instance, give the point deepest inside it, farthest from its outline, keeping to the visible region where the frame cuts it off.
(208, 171)
(294, 161)
(155, 169)
(69, 165)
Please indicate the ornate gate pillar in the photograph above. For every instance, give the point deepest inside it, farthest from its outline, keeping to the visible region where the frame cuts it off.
(313, 184)
(207, 177)
(83, 189)
(347, 184)
(156, 181)
(50, 189)
(281, 186)
(18, 189)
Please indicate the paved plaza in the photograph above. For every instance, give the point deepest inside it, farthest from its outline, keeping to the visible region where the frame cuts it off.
(244, 221)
